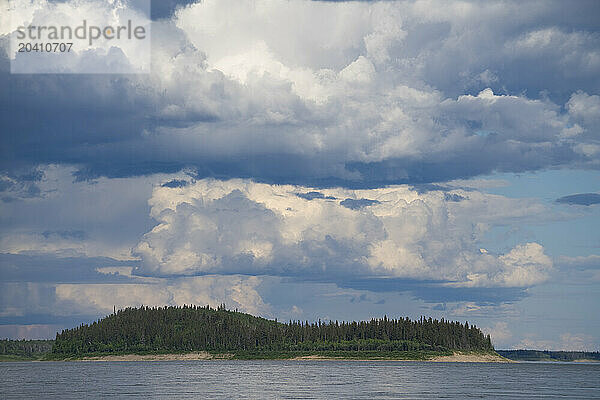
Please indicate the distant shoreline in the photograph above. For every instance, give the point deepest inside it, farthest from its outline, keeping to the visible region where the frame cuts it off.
(550, 355)
(451, 356)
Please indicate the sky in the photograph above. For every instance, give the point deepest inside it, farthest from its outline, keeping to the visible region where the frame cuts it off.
(312, 159)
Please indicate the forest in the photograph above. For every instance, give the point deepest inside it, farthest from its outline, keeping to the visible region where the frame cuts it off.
(195, 328)
(546, 355)
(24, 349)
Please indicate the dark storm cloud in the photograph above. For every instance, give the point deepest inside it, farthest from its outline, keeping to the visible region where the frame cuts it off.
(175, 183)
(453, 197)
(65, 234)
(51, 268)
(513, 70)
(20, 184)
(314, 195)
(435, 291)
(68, 321)
(429, 291)
(119, 126)
(165, 8)
(354, 204)
(98, 123)
(582, 199)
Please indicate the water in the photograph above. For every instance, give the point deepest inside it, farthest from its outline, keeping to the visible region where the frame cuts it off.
(297, 379)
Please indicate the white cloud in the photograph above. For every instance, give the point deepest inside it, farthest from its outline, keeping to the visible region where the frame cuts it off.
(345, 91)
(369, 82)
(75, 299)
(578, 342)
(586, 108)
(102, 55)
(30, 331)
(239, 226)
(567, 342)
(500, 334)
(525, 265)
(570, 50)
(511, 117)
(235, 291)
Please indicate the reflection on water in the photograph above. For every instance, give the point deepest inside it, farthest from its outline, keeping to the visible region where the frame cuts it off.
(297, 379)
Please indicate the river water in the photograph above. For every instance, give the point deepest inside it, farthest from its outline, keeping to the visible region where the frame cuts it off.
(297, 379)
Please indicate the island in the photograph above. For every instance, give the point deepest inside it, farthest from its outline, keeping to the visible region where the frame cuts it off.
(202, 332)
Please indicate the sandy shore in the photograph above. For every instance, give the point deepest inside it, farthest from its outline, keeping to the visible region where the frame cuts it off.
(472, 357)
(160, 357)
(456, 357)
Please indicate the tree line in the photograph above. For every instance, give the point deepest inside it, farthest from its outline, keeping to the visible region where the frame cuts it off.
(195, 328)
(25, 348)
(546, 355)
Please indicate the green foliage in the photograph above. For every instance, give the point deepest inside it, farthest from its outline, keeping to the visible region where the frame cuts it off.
(24, 349)
(192, 328)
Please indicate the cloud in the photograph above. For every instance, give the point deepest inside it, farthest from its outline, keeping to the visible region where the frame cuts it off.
(390, 93)
(582, 269)
(582, 199)
(20, 185)
(175, 183)
(165, 8)
(239, 226)
(581, 262)
(352, 144)
(52, 267)
(30, 331)
(118, 54)
(578, 342)
(585, 108)
(25, 303)
(567, 342)
(235, 291)
(75, 218)
(355, 204)
(314, 195)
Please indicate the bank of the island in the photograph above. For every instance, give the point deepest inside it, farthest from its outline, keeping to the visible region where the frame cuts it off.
(478, 357)
(204, 333)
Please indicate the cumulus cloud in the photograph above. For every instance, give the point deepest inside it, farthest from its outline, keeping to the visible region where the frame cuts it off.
(375, 93)
(235, 291)
(86, 55)
(94, 299)
(525, 265)
(566, 342)
(239, 226)
(585, 107)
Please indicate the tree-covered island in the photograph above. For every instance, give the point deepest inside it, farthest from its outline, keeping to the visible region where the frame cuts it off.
(160, 330)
